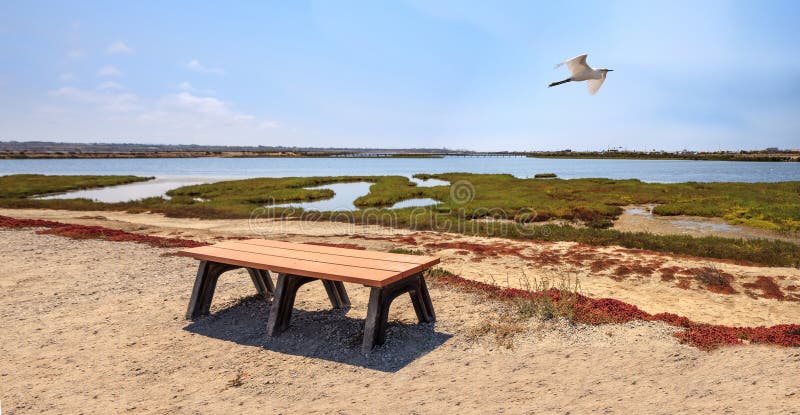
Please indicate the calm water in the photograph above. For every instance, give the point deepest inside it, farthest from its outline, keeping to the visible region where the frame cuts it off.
(134, 191)
(173, 173)
(346, 193)
(666, 171)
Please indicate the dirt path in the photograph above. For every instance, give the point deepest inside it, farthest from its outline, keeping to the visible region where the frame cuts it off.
(97, 327)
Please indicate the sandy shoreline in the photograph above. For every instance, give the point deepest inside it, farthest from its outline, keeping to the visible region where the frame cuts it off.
(654, 282)
(93, 326)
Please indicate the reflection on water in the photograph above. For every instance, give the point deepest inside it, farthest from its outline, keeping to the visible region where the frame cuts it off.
(429, 182)
(640, 211)
(133, 191)
(344, 193)
(344, 196)
(414, 203)
(699, 225)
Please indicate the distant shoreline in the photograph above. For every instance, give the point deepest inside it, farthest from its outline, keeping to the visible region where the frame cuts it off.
(744, 156)
(699, 156)
(55, 150)
(16, 155)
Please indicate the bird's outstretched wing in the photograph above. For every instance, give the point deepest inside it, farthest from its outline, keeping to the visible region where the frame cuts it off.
(595, 84)
(576, 65)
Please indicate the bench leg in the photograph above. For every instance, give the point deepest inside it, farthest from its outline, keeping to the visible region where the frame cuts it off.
(204, 285)
(380, 299)
(283, 302)
(262, 281)
(425, 301)
(377, 318)
(337, 294)
(285, 294)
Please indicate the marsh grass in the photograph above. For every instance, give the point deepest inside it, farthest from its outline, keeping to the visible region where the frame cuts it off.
(591, 202)
(27, 185)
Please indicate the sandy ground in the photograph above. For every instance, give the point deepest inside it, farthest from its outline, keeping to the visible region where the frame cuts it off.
(653, 282)
(97, 327)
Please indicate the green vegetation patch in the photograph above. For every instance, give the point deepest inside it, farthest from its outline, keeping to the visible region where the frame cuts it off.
(27, 185)
(473, 205)
(774, 206)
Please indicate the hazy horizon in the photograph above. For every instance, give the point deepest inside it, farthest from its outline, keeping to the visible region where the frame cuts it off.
(407, 74)
(56, 144)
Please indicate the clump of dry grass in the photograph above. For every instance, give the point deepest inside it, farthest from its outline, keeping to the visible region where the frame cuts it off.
(715, 280)
(405, 251)
(503, 329)
(238, 380)
(540, 301)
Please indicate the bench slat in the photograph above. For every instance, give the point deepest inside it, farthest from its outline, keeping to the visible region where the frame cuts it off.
(319, 257)
(306, 267)
(356, 253)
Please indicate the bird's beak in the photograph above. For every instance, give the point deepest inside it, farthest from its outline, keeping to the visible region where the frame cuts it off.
(611, 70)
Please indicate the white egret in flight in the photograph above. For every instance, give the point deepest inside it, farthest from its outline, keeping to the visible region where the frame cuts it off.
(582, 72)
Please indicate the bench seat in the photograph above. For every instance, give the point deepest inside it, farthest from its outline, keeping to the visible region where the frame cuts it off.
(388, 275)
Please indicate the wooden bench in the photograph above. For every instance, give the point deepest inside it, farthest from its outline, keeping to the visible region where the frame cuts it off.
(388, 275)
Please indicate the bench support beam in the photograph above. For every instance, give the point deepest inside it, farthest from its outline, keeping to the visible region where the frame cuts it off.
(205, 283)
(285, 293)
(380, 299)
(262, 281)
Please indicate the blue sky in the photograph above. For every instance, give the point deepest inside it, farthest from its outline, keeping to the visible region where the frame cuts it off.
(699, 75)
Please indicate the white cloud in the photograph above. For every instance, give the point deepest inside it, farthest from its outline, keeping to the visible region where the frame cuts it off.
(112, 110)
(105, 100)
(185, 86)
(109, 70)
(119, 48)
(110, 96)
(208, 106)
(196, 66)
